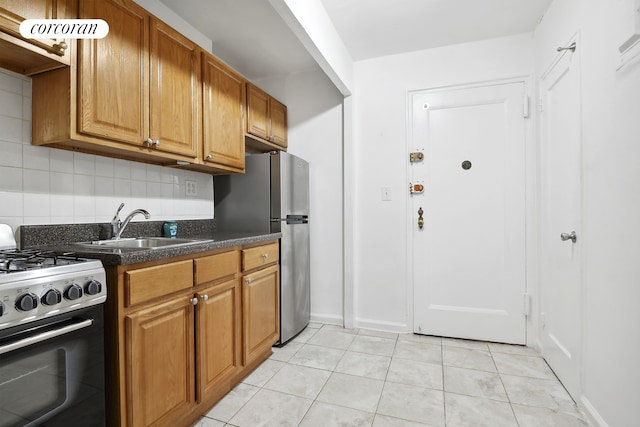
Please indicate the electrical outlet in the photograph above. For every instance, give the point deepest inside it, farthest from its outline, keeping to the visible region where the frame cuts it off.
(192, 188)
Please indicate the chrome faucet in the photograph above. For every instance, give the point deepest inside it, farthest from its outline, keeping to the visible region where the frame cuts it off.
(117, 226)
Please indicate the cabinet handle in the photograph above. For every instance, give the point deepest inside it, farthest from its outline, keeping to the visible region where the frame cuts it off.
(209, 156)
(265, 256)
(205, 297)
(62, 46)
(248, 280)
(194, 301)
(149, 142)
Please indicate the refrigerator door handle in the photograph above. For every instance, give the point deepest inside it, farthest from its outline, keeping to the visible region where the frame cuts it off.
(297, 219)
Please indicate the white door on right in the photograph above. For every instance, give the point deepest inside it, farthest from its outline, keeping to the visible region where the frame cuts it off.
(561, 199)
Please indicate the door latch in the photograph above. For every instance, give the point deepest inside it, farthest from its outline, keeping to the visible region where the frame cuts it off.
(420, 219)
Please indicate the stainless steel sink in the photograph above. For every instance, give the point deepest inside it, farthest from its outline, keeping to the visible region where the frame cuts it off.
(143, 243)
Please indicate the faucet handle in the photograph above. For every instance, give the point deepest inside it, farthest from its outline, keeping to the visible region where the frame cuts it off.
(115, 217)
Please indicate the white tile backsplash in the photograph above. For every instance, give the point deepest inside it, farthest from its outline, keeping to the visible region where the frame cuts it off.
(10, 127)
(40, 185)
(11, 104)
(11, 154)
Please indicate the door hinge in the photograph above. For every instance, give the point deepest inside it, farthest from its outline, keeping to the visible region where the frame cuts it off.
(527, 305)
(525, 106)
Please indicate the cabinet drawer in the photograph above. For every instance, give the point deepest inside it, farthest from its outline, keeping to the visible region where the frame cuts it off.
(148, 283)
(259, 256)
(210, 268)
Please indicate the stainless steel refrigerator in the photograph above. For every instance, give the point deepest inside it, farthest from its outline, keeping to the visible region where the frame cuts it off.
(273, 196)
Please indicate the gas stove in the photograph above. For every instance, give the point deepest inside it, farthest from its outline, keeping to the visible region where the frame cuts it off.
(36, 284)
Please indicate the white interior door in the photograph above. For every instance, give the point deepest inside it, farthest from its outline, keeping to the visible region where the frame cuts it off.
(469, 257)
(561, 165)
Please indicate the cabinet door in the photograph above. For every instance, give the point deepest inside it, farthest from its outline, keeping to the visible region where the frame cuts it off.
(223, 112)
(218, 336)
(175, 91)
(257, 112)
(160, 362)
(278, 114)
(13, 12)
(261, 311)
(113, 74)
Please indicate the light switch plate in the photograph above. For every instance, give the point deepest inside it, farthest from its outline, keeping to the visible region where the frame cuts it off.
(192, 188)
(386, 194)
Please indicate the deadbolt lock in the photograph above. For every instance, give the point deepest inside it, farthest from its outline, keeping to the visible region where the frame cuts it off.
(416, 188)
(416, 157)
(420, 219)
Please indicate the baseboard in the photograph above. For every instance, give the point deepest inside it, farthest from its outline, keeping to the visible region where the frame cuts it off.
(593, 415)
(377, 325)
(327, 319)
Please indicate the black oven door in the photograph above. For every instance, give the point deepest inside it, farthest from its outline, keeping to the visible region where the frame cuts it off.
(52, 371)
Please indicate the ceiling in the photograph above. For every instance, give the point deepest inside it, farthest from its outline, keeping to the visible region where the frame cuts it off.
(251, 37)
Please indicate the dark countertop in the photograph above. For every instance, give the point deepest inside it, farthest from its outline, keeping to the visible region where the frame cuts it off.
(63, 238)
(113, 257)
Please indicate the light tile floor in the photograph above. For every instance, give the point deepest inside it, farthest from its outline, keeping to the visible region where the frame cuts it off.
(330, 376)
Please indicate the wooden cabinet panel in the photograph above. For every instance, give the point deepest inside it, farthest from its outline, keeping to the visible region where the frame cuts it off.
(160, 383)
(13, 12)
(175, 91)
(218, 354)
(31, 56)
(278, 122)
(260, 311)
(260, 256)
(214, 267)
(113, 74)
(223, 114)
(257, 112)
(145, 284)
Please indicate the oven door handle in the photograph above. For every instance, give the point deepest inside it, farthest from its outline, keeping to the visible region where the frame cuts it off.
(84, 323)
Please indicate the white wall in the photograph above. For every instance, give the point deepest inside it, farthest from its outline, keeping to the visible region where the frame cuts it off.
(383, 289)
(611, 247)
(40, 185)
(315, 133)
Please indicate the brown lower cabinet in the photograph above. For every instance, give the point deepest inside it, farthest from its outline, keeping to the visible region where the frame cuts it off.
(182, 332)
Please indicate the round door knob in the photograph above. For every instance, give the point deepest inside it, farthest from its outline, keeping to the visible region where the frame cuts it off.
(26, 302)
(93, 287)
(148, 141)
(72, 292)
(157, 143)
(265, 256)
(51, 297)
(205, 297)
(194, 301)
(248, 280)
(209, 156)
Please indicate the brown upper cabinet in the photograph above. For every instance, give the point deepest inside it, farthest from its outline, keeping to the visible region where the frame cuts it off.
(140, 85)
(32, 56)
(223, 115)
(134, 94)
(147, 93)
(266, 118)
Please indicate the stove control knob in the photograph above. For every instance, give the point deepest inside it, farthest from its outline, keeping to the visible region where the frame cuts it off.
(73, 292)
(93, 288)
(2, 307)
(26, 302)
(51, 297)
